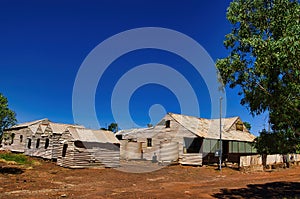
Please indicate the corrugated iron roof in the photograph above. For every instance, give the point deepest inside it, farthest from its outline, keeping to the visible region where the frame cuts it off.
(59, 128)
(128, 132)
(206, 128)
(26, 124)
(210, 128)
(90, 135)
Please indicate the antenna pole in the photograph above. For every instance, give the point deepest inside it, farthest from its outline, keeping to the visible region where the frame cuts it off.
(221, 147)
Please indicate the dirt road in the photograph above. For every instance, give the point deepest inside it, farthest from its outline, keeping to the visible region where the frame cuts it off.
(46, 180)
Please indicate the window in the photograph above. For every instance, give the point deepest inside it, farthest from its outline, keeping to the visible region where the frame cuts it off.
(230, 147)
(168, 123)
(37, 143)
(21, 138)
(193, 145)
(214, 145)
(47, 143)
(29, 143)
(149, 142)
(206, 146)
(119, 137)
(80, 144)
(12, 138)
(239, 126)
(235, 147)
(64, 151)
(248, 147)
(241, 147)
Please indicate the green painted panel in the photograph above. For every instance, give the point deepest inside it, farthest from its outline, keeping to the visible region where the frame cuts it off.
(248, 147)
(235, 147)
(206, 146)
(214, 144)
(242, 147)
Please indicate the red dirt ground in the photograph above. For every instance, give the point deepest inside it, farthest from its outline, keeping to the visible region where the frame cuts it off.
(48, 180)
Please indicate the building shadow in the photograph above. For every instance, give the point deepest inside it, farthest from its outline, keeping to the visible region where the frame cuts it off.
(10, 170)
(268, 190)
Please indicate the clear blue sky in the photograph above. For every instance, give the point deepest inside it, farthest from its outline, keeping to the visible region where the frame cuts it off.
(43, 44)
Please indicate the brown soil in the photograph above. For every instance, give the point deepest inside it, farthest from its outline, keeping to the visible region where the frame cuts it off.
(47, 180)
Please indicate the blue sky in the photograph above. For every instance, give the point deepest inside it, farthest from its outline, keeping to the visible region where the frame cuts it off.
(43, 44)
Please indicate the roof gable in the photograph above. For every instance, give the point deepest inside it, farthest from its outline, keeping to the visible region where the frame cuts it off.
(90, 135)
(28, 124)
(59, 128)
(210, 128)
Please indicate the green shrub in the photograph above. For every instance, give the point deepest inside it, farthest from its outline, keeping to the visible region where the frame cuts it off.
(18, 158)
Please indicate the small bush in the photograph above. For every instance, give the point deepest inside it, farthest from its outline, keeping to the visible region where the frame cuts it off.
(18, 158)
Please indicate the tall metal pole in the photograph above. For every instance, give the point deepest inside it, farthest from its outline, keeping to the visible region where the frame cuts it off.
(221, 148)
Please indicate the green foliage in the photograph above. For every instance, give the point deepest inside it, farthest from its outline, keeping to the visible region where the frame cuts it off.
(113, 127)
(18, 158)
(276, 142)
(247, 125)
(7, 116)
(264, 59)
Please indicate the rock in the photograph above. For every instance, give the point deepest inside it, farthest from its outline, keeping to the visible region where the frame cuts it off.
(187, 192)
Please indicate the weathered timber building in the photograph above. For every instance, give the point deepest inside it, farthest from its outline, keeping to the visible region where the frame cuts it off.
(187, 140)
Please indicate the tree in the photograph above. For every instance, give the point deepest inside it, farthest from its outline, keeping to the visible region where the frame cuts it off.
(264, 59)
(247, 125)
(7, 116)
(113, 127)
(276, 143)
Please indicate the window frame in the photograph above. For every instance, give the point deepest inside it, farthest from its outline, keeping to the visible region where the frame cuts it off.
(47, 141)
(37, 144)
(12, 138)
(239, 126)
(29, 143)
(64, 150)
(168, 123)
(149, 142)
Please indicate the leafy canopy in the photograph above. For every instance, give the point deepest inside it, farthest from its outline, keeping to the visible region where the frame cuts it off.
(7, 116)
(247, 125)
(278, 143)
(113, 127)
(264, 58)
